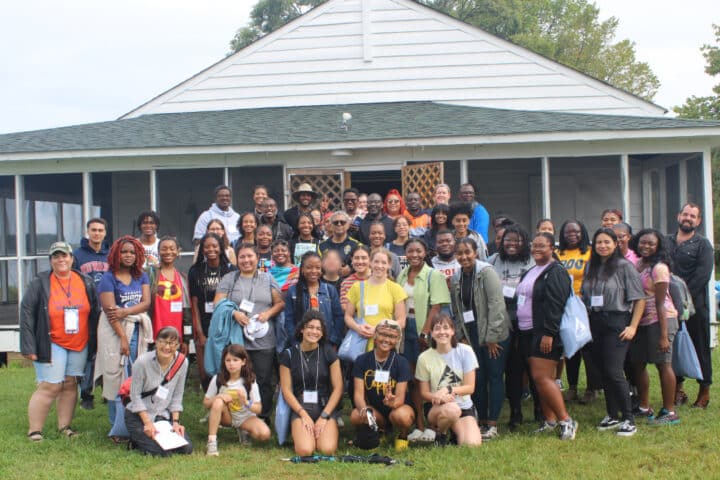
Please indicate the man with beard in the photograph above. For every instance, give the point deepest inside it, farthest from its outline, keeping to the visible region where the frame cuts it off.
(375, 214)
(222, 211)
(418, 217)
(445, 260)
(350, 199)
(480, 220)
(280, 229)
(693, 258)
(304, 197)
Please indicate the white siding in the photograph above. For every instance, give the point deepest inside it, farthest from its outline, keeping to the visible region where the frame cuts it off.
(415, 54)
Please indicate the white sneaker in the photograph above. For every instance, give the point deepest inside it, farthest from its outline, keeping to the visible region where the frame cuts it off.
(415, 435)
(212, 449)
(490, 433)
(568, 429)
(243, 437)
(428, 436)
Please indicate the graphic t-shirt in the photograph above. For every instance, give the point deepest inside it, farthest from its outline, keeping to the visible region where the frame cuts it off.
(202, 282)
(125, 295)
(574, 262)
(365, 367)
(447, 370)
(660, 274)
(448, 268)
(168, 305)
(70, 293)
(152, 256)
(379, 302)
(239, 411)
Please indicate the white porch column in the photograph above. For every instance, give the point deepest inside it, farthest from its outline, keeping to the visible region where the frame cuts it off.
(545, 181)
(226, 177)
(20, 234)
(153, 191)
(464, 171)
(709, 233)
(87, 197)
(625, 185)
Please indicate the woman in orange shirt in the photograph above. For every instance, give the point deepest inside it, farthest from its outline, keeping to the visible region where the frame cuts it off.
(58, 328)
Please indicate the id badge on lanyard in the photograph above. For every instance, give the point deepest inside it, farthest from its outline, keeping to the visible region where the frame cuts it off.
(72, 319)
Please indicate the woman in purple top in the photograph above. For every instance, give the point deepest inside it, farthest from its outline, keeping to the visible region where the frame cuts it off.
(541, 297)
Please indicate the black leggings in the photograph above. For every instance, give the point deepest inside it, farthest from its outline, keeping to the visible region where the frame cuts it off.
(516, 366)
(592, 373)
(265, 366)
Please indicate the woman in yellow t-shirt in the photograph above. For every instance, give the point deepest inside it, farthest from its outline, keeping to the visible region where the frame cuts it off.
(574, 253)
(380, 298)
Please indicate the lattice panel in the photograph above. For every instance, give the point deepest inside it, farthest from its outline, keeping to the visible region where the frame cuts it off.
(330, 183)
(422, 179)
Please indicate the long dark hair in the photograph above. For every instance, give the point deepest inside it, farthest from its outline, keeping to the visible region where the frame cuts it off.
(136, 270)
(661, 255)
(593, 270)
(313, 231)
(523, 254)
(246, 372)
(224, 260)
(309, 316)
(584, 242)
(301, 288)
(440, 208)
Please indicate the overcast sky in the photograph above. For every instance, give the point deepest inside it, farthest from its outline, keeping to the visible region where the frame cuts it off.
(79, 61)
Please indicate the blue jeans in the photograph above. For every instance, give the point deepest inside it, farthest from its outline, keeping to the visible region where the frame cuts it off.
(489, 392)
(133, 356)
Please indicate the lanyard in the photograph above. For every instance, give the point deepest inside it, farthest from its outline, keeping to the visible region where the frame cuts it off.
(252, 287)
(303, 360)
(66, 291)
(379, 366)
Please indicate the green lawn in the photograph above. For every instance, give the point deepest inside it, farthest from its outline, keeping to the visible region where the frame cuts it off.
(687, 450)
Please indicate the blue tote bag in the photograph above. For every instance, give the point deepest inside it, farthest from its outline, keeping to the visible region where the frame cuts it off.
(685, 361)
(574, 326)
(354, 344)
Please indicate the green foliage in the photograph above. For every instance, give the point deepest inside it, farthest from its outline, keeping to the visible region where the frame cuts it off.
(567, 31)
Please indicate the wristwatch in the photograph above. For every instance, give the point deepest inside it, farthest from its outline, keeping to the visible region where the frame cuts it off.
(324, 415)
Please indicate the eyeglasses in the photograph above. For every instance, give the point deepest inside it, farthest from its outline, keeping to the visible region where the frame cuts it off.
(339, 223)
(388, 336)
(167, 343)
(393, 200)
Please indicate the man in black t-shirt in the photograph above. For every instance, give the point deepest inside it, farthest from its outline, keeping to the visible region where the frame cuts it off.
(381, 379)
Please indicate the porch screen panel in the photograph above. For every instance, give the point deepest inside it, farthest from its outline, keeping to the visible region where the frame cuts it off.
(244, 179)
(53, 211)
(329, 182)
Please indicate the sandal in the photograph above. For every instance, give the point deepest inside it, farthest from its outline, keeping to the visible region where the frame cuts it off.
(35, 436)
(67, 431)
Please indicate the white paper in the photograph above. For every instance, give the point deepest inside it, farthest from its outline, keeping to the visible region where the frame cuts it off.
(382, 376)
(72, 320)
(508, 291)
(371, 310)
(175, 307)
(162, 392)
(310, 396)
(468, 316)
(166, 436)
(209, 307)
(596, 301)
(247, 306)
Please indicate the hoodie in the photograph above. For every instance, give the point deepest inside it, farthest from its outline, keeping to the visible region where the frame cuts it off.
(229, 218)
(91, 263)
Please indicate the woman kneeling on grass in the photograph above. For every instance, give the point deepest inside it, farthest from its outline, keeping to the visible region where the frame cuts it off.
(446, 373)
(541, 297)
(233, 399)
(311, 382)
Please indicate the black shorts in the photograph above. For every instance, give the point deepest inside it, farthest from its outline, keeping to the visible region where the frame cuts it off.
(530, 343)
(314, 410)
(468, 412)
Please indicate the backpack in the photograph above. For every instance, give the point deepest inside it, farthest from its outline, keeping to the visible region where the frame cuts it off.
(682, 300)
(124, 391)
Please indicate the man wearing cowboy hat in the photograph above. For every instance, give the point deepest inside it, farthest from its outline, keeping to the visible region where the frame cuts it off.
(304, 198)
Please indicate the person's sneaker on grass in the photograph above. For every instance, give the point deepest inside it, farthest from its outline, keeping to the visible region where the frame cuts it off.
(608, 423)
(546, 427)
(643, 412)
(442, 440)
(212, 448)
(415, 435)
(664, 417)
(489, 432)
(243, 437)
(627, 429)
(428, 436)
(568, 429)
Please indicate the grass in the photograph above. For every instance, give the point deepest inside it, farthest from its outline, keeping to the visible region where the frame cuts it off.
(687, 450)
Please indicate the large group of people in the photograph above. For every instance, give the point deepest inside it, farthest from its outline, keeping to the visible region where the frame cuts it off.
(448, 315)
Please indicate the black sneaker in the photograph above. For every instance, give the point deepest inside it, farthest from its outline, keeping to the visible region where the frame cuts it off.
(442, 440)
(608, 423)
(627, 429)
(87, 404)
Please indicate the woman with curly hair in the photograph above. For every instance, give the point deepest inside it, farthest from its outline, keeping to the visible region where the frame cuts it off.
(124, 328)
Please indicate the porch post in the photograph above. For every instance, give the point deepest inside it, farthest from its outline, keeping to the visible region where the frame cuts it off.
(87, 197)
(625, 185)
(20, 234)
(463, 171)
(545, 181)
(153, 191)
(709, 233)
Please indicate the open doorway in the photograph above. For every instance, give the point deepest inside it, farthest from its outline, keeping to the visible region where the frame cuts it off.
(376, 181)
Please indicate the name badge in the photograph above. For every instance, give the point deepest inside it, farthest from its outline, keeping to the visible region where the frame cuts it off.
(209, 307)
(310, 396)
(521, 300)
(371, 310)
(72, 320)
(175, 307)
(382, 376)
(596, 301)
(508, 292)
(187, 329)
(247, 306)
(162, 393)
(468, 316)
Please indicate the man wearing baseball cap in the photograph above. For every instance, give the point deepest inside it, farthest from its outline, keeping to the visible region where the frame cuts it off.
(304, 197)
(381, 379)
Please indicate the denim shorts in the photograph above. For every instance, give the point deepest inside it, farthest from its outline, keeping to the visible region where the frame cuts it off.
(64, 363)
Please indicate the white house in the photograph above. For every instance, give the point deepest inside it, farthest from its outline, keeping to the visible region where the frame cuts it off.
(536, 138)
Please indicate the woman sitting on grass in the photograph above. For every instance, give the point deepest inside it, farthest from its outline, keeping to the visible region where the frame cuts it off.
(233, 399)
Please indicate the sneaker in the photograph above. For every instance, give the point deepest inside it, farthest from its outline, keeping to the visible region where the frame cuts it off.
(401, 444)
(87, 403)
(415, 435)
(664, 417)
(568, 429)
(546, 427)
(560, 384)
(243, 437)
(442, 440)
(643, 412)
(526, 395)
(681, 397)
(204, 419)
(489, 432)
(212, 450)
(627, 429)
(608, 423)
(428, 436)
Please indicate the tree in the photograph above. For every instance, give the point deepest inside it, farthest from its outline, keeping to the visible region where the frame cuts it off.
(708, 108)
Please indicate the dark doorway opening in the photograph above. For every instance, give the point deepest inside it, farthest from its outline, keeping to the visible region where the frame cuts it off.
(376, 181)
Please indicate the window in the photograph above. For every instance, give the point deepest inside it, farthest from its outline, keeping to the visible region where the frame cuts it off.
(7, 217)
(53, 211)
(244, 179)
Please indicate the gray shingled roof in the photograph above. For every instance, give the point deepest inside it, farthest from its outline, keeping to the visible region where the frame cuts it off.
(320, 124)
